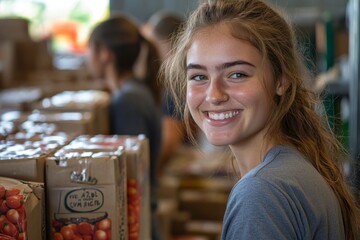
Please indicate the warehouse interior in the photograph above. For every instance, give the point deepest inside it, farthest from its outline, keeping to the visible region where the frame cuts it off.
(46, 90)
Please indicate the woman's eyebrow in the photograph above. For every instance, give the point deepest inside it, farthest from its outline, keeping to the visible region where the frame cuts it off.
(221, 66)
(234, 63)
(195, 66)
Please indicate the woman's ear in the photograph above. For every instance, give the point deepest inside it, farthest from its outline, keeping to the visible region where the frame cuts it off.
(282, 86)
(105, 55)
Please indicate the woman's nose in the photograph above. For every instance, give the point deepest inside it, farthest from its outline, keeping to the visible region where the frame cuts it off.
(216, 93)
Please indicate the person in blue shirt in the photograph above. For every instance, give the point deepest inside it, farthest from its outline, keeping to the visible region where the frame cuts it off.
(237, 72)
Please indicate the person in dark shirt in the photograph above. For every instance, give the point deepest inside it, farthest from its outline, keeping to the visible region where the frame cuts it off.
(161, 28)
(114, 48)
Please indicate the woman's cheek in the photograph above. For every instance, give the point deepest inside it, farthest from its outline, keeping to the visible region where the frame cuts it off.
(196, 91)
(192, 97)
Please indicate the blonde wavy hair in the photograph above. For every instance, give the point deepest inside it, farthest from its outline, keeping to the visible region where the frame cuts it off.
(295, 119)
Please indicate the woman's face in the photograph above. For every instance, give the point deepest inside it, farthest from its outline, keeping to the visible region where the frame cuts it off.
(225, 91)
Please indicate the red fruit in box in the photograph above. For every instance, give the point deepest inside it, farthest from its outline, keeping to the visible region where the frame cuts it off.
(3, 220)
(2, 191)
(12, 192)
(133, 236)
(134, 227)
(104, 224)
(74, 227)
(87, 237)
(77, 237)
(22, 218)
(6, 237)
(100, 235)
(14, 201)
(9, 229)
(132, 182)
(13, 216)
(108, 233)
(67, 233)
(22, 236)
(58, 236)
(85, 228)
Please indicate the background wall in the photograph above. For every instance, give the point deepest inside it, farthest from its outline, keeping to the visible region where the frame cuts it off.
(142, 9)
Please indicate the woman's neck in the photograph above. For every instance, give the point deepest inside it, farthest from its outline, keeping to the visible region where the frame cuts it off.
(114, 80)
(251, 153)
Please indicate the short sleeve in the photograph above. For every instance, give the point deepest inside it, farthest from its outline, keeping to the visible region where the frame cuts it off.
(258, 210)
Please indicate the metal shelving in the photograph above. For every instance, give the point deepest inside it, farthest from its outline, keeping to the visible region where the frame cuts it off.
(354, 86)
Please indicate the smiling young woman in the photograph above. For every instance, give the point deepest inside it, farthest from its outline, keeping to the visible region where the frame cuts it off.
(237, 73)
(225, 92)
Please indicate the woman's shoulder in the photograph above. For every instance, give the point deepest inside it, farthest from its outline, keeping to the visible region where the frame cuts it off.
(283, 162)
(285, 174)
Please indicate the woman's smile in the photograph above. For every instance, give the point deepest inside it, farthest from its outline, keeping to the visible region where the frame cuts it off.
(218, 116)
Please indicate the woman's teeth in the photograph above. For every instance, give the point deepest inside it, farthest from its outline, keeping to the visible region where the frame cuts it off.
(222, 116)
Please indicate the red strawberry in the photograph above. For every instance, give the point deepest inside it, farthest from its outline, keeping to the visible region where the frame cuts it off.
(85, 228)
(12, 192)
(22, 218)
(3, 220)
(13, 216)
(6, 237)
(14, 201)
(9, 229)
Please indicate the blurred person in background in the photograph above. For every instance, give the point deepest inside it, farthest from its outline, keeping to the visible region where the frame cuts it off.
(161, 27)
(113, 49)
(236, 71)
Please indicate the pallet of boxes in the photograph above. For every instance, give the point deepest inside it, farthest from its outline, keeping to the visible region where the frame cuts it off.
(22, 192)
(95, 186)
(98, 188)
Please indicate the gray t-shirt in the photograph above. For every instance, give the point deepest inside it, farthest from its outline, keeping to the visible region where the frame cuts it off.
(284, 197)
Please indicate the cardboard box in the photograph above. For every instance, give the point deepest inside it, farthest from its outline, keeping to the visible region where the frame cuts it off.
(86, 196)
(21, 98)
(72, 123)
(29, 216)
(6, 128)
(136, 149)
(26, 160)
(69, 122)
(93, 101)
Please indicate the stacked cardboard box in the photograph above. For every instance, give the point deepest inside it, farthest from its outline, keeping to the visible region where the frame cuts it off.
(24, 158)
(134, 149)
(86, 196)
(93, 102)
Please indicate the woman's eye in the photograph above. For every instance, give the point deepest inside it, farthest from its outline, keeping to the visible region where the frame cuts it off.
(238, 75)
(198, 77)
